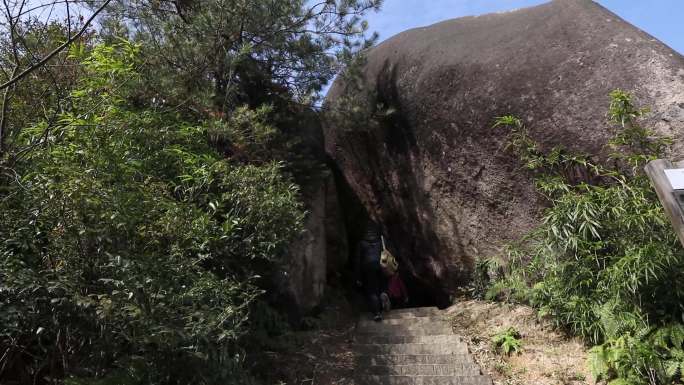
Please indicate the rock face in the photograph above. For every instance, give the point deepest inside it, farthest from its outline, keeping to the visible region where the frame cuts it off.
(314, 259)
(436, 172)
(319, 252)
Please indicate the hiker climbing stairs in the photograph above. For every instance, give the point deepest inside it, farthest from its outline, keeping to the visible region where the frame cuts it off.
(413, 347)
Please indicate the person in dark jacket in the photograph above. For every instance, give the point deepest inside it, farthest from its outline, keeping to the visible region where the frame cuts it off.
(368, 271)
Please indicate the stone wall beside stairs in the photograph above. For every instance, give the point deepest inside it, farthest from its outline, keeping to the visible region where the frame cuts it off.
(319, 252)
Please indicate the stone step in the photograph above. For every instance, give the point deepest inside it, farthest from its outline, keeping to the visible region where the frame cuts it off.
(434, 348)
(413, 359)
(404, 321)
(423, 380)
(403, 339)
(423, 328)
(460, 369)
(415, 312)
(408, 333)
(413, 347)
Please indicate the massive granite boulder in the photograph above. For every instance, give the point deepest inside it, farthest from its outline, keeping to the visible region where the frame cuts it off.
(435, 171)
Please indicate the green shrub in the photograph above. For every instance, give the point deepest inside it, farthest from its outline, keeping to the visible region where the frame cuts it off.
(130, 249)
(651, 355)
(605, 263)
(508, 341)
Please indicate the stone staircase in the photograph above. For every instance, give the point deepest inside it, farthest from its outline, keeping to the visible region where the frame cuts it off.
(413, 347)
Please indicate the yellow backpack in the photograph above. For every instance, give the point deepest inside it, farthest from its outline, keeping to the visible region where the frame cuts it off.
(388, 263)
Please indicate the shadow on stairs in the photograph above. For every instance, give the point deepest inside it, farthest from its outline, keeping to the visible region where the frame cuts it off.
(414, 346)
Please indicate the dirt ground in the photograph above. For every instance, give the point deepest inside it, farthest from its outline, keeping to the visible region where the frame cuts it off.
(319, 356)
(547, 358)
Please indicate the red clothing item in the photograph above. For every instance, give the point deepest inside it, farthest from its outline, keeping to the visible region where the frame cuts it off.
(396, 289)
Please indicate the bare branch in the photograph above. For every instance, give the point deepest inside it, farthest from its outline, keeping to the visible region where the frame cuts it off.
(51, 4)
(56, 50)
(4, 110)
(68, 12)
(6, 95)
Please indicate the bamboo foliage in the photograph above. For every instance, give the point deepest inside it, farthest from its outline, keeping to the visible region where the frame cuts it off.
(605, 263)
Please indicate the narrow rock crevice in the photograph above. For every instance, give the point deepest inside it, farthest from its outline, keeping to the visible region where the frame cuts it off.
(401, 241)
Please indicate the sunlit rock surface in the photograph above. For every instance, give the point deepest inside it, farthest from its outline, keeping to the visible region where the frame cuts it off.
(436, 171)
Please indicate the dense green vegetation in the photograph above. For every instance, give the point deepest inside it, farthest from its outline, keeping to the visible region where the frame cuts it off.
(152, 177)
(128, 242)
(605, 264)
(151, 181)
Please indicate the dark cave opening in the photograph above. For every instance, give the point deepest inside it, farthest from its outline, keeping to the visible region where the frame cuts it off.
(395, 205)
(422, 291)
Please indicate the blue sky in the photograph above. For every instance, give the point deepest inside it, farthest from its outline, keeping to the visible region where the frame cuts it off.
(663, 19)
